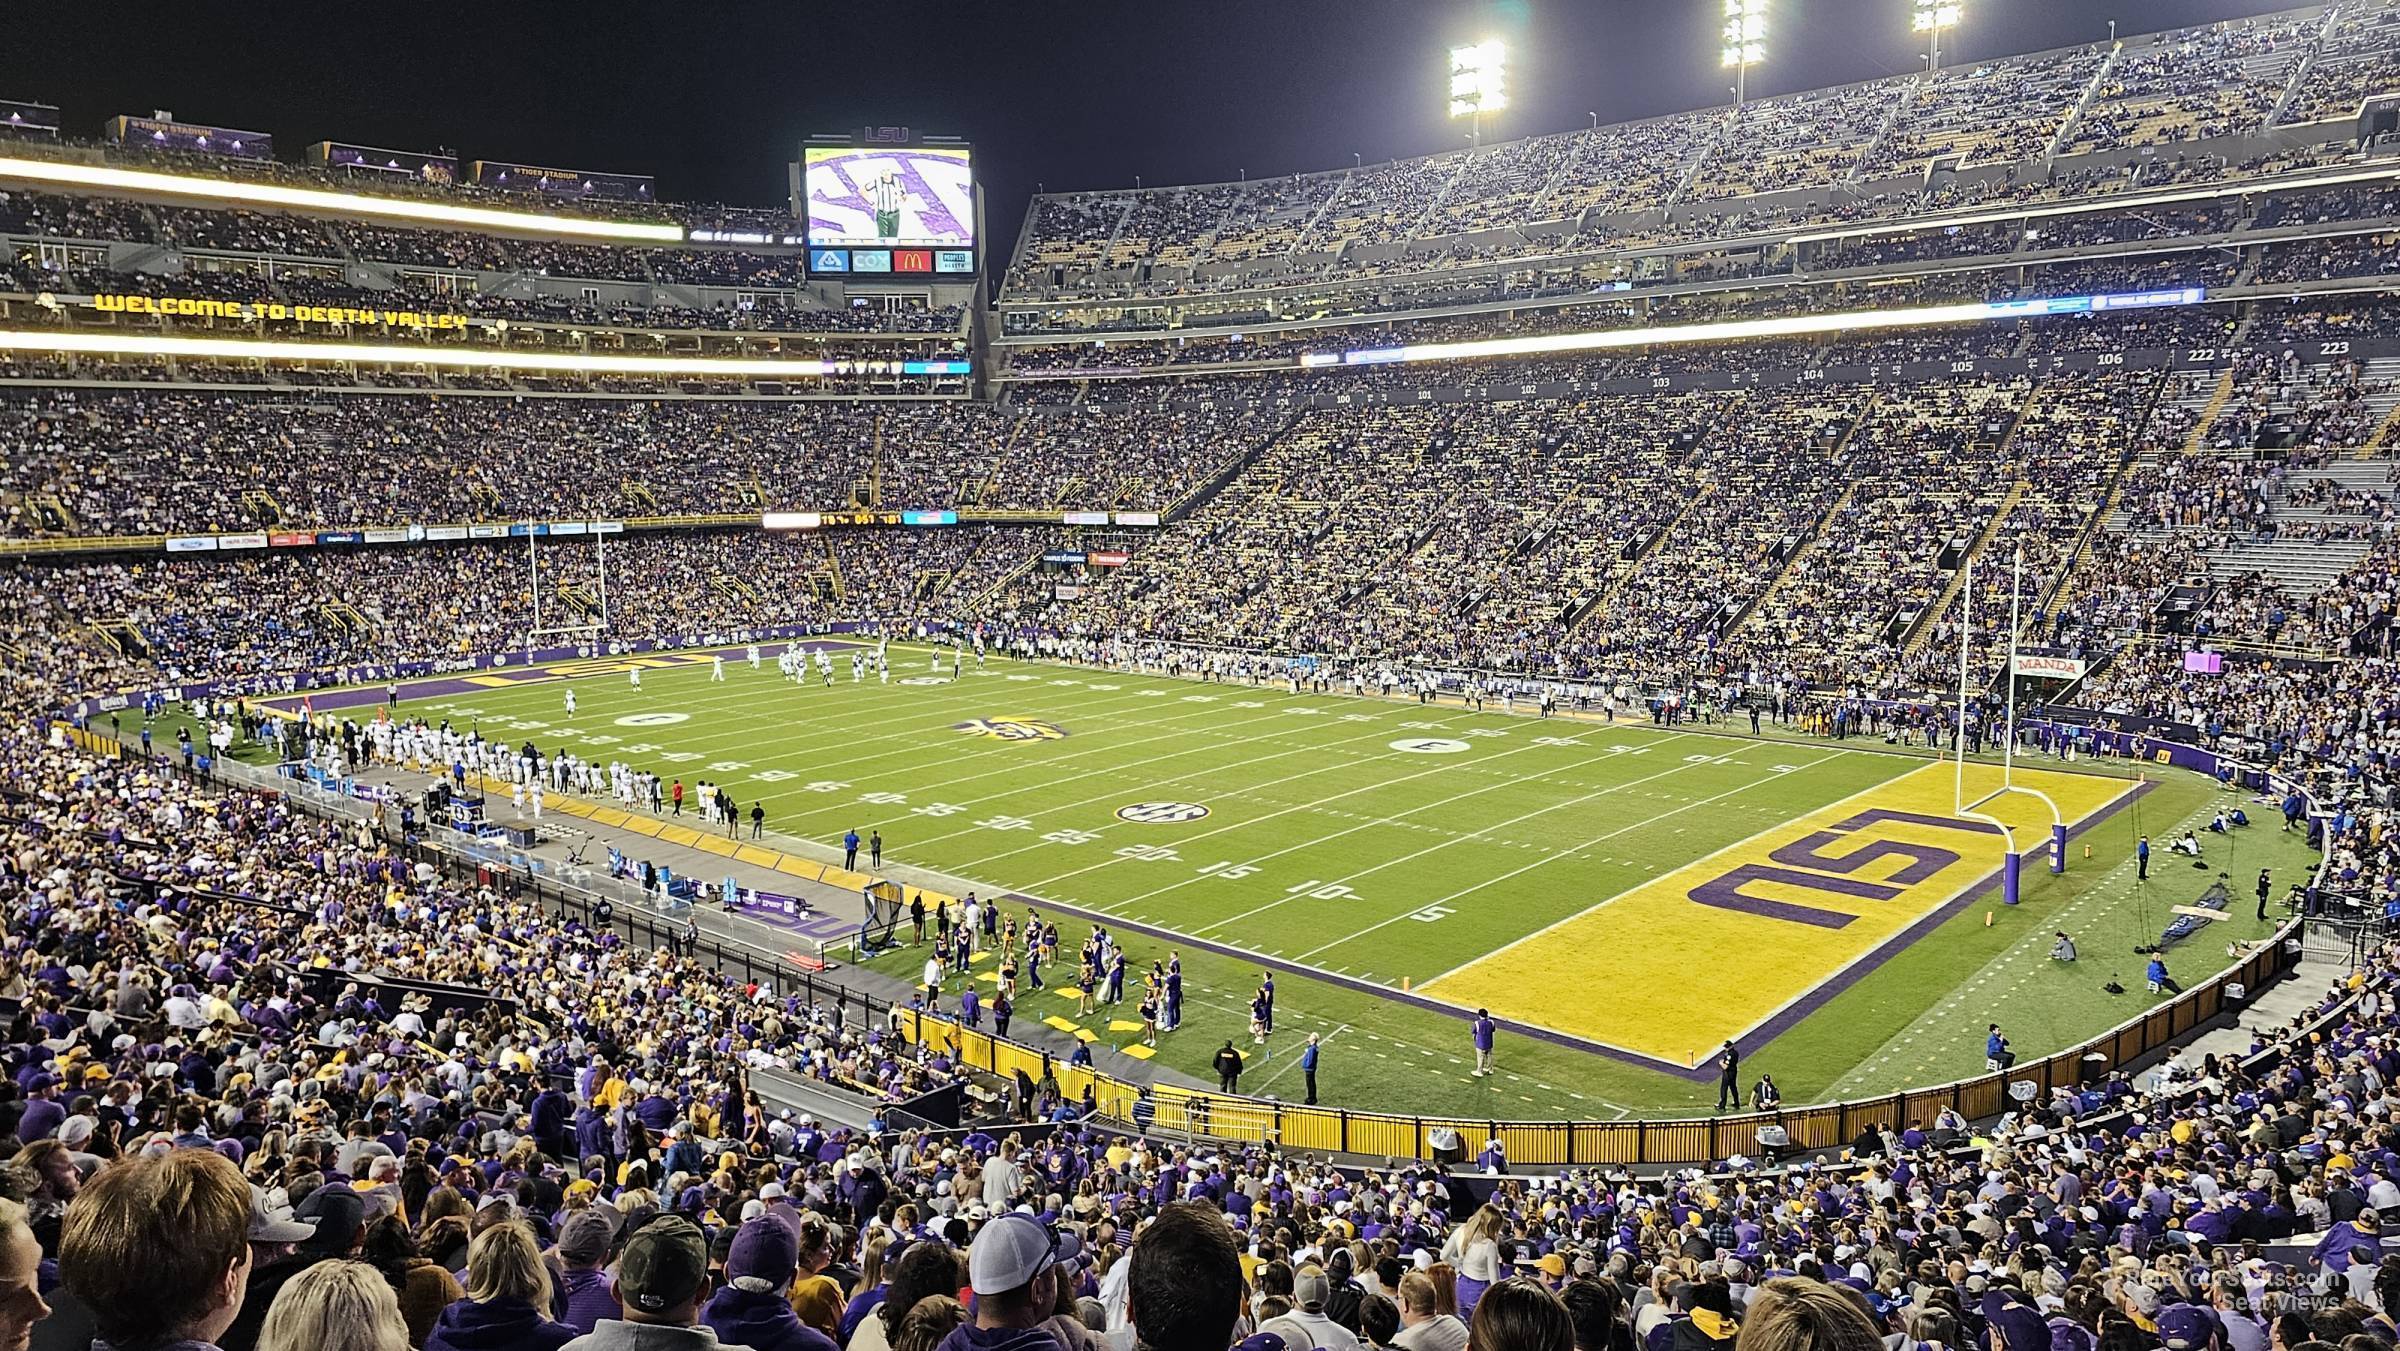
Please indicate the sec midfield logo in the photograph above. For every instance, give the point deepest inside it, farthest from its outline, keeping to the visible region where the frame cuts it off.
(1162, 813)
(1429, 745)
(651, 719)
(1012, 729)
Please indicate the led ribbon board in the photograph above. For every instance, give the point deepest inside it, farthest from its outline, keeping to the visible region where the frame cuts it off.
(111, 178)
(1734, 330)
(461, 358)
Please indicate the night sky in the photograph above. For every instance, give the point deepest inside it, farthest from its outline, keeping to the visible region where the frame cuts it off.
(712, 96)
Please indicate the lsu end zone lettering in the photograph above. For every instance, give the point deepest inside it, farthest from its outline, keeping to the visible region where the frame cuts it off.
(1712, 950)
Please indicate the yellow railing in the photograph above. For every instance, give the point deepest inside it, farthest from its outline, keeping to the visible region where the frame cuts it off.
(1177, 1109)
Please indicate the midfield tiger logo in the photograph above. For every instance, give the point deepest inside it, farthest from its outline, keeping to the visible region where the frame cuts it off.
(1013, 729)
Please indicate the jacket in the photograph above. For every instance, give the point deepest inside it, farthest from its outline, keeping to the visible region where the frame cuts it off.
(761, 1320)
(584, 1298)
(968, 1337)
(1687, 1334)
(615, 1334)
(497, 1325)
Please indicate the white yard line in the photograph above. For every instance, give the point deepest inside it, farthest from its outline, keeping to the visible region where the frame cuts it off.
(1431, 848)
(1376, 786)
(1742, 843)
(1554, 857)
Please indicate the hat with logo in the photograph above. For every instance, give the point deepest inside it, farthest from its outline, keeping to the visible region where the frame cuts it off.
(665, 1263)
(1008, 1253)
(2186, 1327)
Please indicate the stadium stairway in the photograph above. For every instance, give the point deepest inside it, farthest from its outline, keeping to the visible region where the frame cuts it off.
(2061, 139)
(2207, 416)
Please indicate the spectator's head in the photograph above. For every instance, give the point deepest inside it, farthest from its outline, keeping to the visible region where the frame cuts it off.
(764, 1257)
(663, 1276)
(584, 1240)
(21, 1303)
(1311, 1289)
(1012, 1270)
(159, 1248)
(1797, 1314)
(924, 1269)
(1520, 1315)
(335, 1306)
(341, 1219)
(1596, 1308)
(1378, 1320)
(505, 1262)
(928, 1322)
(1184, 1291)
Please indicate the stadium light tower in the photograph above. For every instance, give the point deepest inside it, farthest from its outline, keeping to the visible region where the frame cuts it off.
(1478, 82)
(1745, 42)
(1932, 17)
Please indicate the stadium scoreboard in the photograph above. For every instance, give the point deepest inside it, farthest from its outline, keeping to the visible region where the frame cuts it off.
(877, 211)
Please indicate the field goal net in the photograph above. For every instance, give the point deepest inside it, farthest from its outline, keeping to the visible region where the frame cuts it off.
(887, 904)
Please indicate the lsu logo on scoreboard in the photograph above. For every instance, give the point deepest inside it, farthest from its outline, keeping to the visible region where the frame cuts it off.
(1012, 729)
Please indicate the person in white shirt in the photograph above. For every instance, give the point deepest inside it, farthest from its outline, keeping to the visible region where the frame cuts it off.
(1307, 1326)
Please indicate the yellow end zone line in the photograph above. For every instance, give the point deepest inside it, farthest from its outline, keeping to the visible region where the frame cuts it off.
(1861, 798)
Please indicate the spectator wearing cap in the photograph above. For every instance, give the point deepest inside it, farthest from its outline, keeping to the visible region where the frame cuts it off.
(581, 1294)
(662, 1279)
(509, 1298)
(1307, 1324)
(159, 1250)
(1423, 1325)
(1010, 1267)
(43, 1111)
(339, 1214)
(1184, 1286)
(2362, 1231)
(1343, 1292)
(2189, 1327)
(752, 1310)
(2138, 1301)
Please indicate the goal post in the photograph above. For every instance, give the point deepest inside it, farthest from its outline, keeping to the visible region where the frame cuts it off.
(590, 628)
(2013, 861)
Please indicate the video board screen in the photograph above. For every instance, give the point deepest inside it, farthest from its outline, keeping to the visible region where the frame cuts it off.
(889, 197)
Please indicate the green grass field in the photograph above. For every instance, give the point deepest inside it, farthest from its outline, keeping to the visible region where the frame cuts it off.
(1387, 842)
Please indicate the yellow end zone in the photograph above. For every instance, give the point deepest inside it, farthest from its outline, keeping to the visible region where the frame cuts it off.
(1708, 952)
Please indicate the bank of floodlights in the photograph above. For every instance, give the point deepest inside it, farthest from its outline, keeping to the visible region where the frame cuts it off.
(1932, 17)
(1478, 82)
(1745, 41)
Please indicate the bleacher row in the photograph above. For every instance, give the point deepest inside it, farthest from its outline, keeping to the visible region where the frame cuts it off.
(2022, 129)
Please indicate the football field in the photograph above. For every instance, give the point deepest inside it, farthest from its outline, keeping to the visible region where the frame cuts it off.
(1624, 898)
